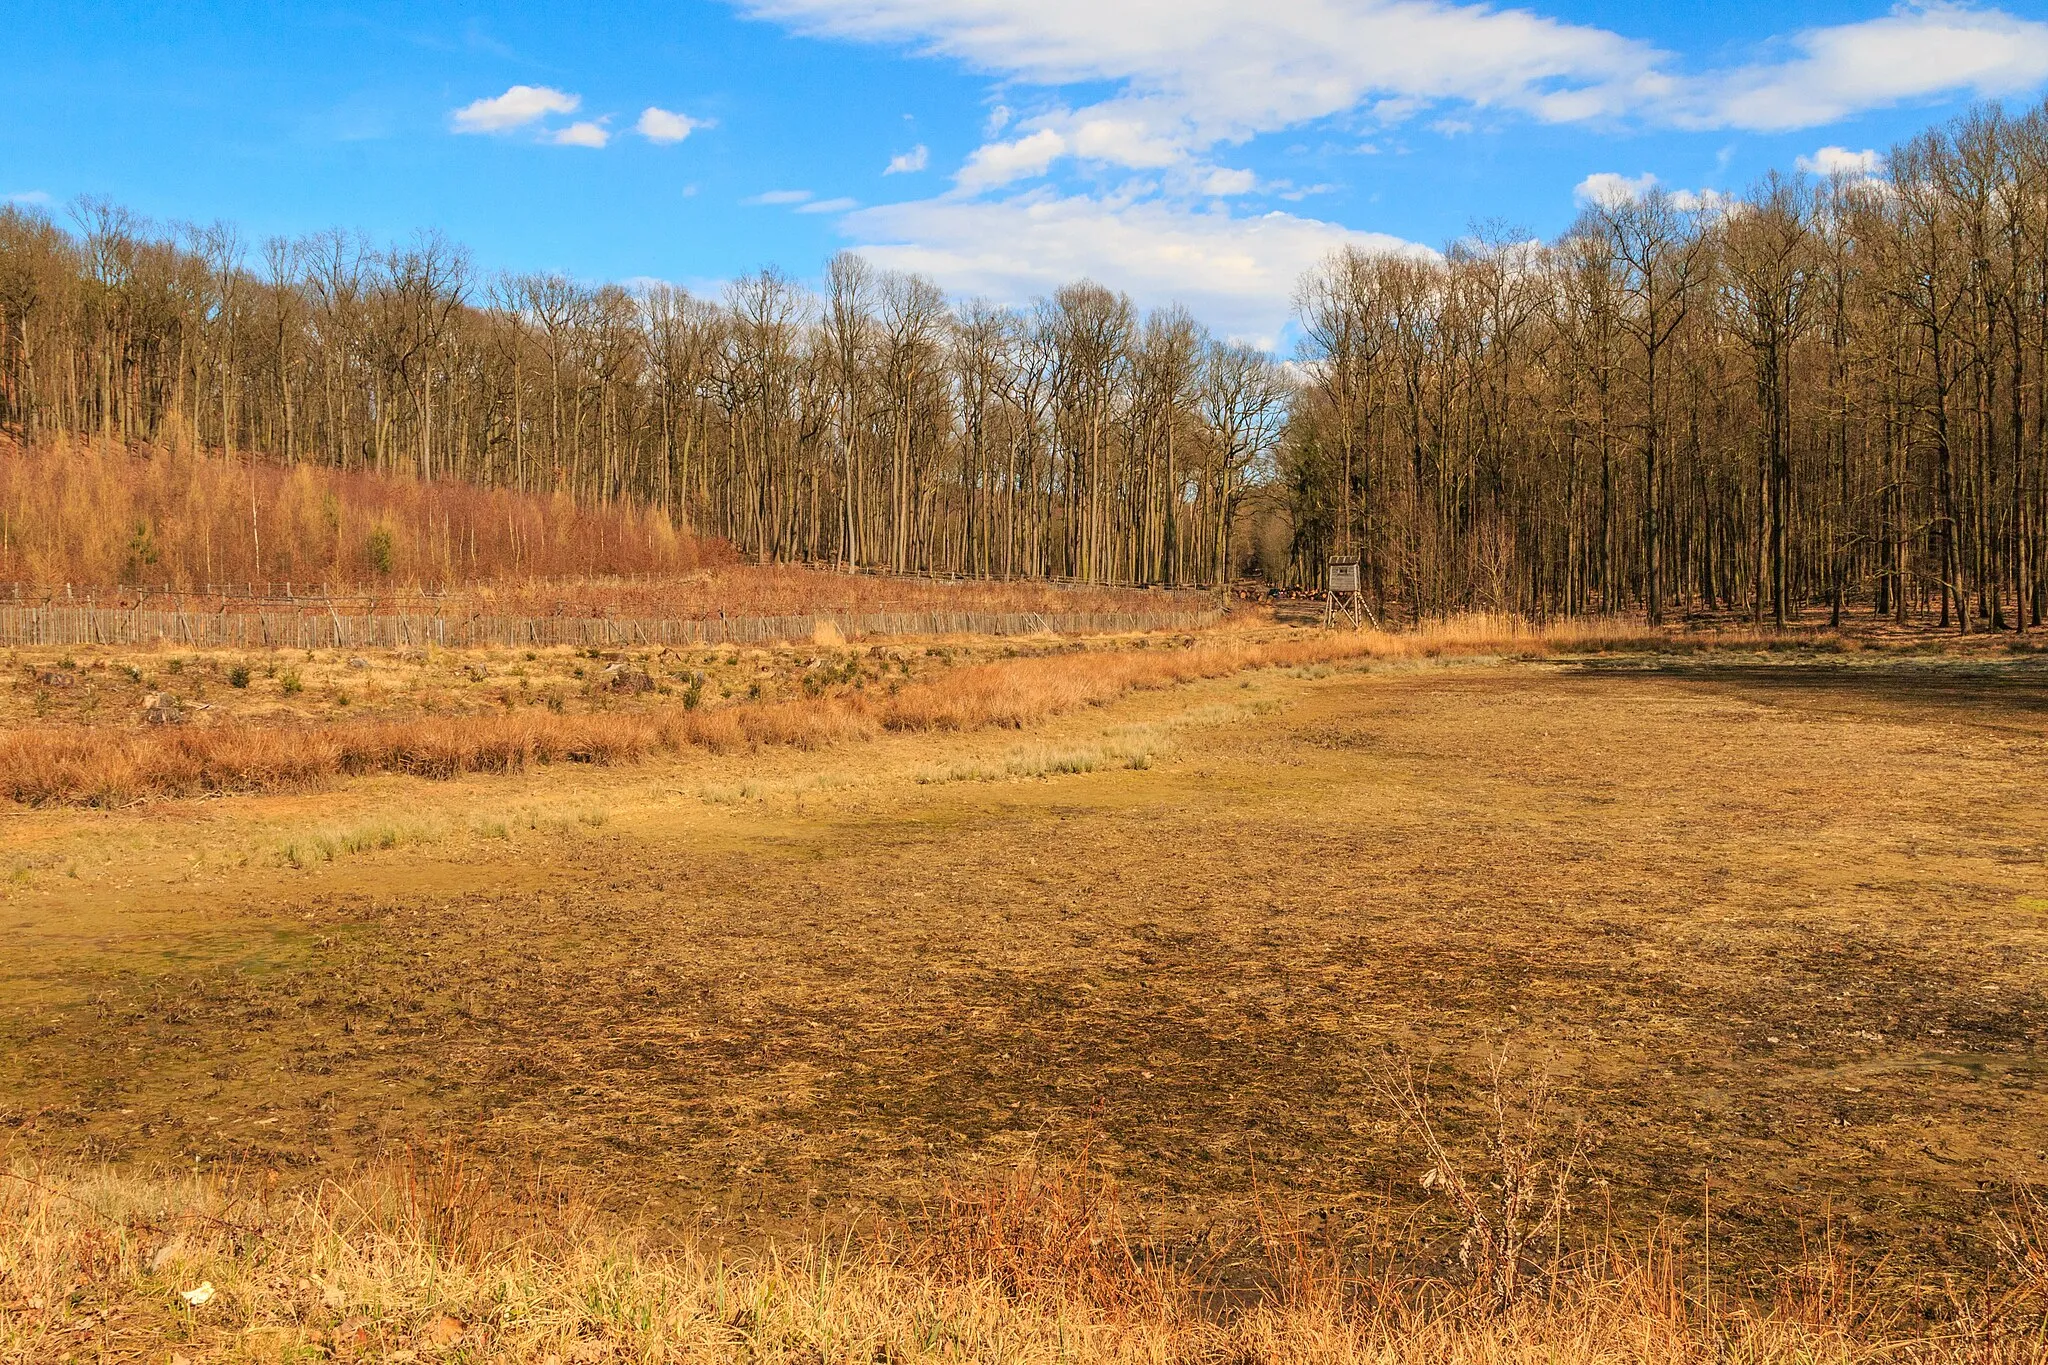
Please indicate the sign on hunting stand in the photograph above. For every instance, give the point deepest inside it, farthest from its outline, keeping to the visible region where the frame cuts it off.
(1344, 596)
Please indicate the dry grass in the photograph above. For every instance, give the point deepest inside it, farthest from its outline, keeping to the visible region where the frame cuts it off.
(733, 590)
(104, 765)
(1822, 1006)
(1021, 692)
(798, 590)
(118, 686)
(430, 1259)
(98, 514)
(80, 519)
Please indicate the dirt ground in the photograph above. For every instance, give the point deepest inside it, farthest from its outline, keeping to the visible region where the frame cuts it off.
(1776, 925)
(117, 687)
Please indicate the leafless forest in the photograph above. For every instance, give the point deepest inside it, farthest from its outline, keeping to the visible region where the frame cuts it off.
(1821, 396)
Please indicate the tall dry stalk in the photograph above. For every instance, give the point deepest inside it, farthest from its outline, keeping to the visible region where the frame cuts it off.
(1035, 1266)
(110, 765)
(1514, 1198)
(94, 513)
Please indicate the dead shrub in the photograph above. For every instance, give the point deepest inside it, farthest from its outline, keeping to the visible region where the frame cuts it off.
(76, 508)
(1514, 1197)
(433, 1256)
(104, 767)
(1044, 1233)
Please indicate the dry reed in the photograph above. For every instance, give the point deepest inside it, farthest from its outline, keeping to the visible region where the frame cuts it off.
(104, 765)
(94, 513)
(90, 517)
(433, 1259)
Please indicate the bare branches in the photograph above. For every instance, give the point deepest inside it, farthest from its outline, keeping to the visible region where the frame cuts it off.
(1806, 396)
(1827, 395)
(1515, 1196)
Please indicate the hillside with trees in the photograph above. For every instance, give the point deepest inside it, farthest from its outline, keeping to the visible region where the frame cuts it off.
(1819, 394)
(1824, 394)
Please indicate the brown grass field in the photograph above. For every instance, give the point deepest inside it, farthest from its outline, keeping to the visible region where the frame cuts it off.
(100, 514)
(97, 522)
(104, 727)
(734, 589)
(1142, 1002)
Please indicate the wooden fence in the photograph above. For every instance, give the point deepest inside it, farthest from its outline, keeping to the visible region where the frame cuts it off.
(62, 626)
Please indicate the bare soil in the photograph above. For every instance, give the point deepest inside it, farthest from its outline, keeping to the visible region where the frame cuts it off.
(1776, 924)
(116, 687)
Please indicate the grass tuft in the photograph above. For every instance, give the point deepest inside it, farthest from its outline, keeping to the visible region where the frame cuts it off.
(103, 765)
(435, 1258)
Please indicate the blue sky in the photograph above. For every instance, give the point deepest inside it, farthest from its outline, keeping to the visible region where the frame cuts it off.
(1199, 150)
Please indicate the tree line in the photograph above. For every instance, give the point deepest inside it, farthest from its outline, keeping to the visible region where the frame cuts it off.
(870, 423)
(1820, 394)
(1824, 393)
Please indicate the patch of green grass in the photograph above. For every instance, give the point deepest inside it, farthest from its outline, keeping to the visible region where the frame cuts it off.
(971, 771)
(1039, 761)
(326, 846)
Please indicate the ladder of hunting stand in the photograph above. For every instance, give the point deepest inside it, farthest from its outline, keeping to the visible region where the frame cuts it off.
(1344, 596)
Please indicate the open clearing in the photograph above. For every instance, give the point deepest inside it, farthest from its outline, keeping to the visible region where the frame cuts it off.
(1774, 924)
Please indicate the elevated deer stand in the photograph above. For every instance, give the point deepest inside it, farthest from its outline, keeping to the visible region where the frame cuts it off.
(1344, 598)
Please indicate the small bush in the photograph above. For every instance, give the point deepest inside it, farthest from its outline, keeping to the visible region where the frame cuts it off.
(238, 676)
(380, 551)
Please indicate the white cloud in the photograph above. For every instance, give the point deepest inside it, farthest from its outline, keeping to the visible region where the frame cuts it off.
(1223, 181)
(1609, 188)
(1915, 52)
(1228, 66)
(1865, 164)
(829, 206)
(662, 125)
(1189, 75)
(585, 134)
(779, 197)
(1162, 88)
(1123, 142)
(1117, 141)
(1237, 272)
(517, 107)
(26, 197)
(1702, 201)
(1398, 110)
(998, 163)
(904, 163)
